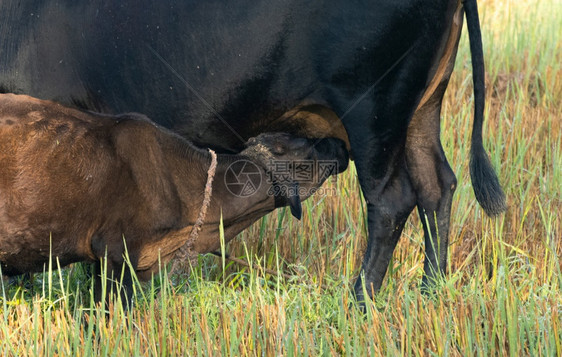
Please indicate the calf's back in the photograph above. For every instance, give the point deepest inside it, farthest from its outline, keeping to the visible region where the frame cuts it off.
(66, 184)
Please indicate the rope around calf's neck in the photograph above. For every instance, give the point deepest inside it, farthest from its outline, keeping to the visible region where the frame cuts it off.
(185, 253)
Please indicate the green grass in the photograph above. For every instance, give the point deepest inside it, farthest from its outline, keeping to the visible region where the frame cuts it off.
(501, 296)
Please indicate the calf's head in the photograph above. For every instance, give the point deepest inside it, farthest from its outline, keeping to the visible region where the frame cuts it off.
(295, 167)
(274, 170)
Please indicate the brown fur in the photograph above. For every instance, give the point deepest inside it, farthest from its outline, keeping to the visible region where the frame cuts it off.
(75, 185)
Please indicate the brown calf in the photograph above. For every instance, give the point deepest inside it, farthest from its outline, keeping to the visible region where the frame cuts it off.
(81, 186)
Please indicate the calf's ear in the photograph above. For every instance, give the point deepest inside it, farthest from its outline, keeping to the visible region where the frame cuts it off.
(294, 201)
(287, 194)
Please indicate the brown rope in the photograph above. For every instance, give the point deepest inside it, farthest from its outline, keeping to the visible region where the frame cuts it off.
(207, 200)
(185, 254)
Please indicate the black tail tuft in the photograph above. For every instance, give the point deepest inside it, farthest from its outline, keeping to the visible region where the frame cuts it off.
(485, 183)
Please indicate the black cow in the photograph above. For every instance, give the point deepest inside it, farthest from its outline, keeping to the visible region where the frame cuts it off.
(219, 72)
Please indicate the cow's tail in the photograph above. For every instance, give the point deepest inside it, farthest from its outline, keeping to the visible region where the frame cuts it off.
(485, 182)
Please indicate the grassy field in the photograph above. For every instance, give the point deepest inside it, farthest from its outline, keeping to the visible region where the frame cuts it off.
(502, 293)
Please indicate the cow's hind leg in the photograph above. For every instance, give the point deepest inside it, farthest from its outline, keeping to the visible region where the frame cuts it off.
(378, 135)
(434, 183)
(432, 178)
(377, 119)
(388, 209)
